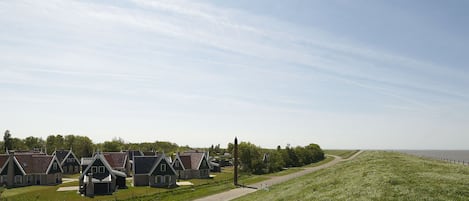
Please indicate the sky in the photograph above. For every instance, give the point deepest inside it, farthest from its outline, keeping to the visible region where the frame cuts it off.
(343, 74)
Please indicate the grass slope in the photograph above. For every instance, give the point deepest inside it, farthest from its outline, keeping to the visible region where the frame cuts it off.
(376, 175)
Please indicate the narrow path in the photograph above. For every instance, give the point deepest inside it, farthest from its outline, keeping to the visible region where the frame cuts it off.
(238, 192)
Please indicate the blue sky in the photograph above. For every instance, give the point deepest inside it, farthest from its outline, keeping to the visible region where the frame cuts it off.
(343, 74)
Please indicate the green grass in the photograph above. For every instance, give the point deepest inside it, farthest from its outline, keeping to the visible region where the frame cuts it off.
(341, 152)
(202, 187)
(376, 176)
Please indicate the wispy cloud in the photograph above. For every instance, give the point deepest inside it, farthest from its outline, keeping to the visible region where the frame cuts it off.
(195, 57)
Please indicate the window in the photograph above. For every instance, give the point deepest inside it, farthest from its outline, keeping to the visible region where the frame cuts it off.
(101, 169)
(94, 169)
(54, 166)
(76, 169)
(18, 179)
(158, 179)
(163, 167)
(176, 164)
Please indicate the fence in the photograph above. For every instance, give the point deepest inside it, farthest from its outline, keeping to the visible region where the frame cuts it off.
(455, 161)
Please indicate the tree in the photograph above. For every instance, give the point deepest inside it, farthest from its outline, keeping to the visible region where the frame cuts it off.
(316, 152)
(18, 144)
(229, 148)
(250, 157)
(82, 146)
(275, 162)
(217, 149)
(54, 142)
(69, 141)
(33, 142)
(7, 140)
(114, 145)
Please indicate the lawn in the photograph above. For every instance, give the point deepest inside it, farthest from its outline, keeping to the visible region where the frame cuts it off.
(202, 187)
(376, 175)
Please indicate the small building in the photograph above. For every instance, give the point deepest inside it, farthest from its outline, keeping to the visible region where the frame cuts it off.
(214, 167)
(99, 178)
(68, 161)
(154, 171)
(26, 169)
(192, 165)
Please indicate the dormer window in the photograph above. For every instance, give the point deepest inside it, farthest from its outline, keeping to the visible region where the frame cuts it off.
(101, 169)
(94, 169)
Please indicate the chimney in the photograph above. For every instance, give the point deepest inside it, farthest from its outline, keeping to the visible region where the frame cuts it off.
(235, 164)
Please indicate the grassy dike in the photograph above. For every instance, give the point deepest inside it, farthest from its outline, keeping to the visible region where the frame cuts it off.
(376, 175)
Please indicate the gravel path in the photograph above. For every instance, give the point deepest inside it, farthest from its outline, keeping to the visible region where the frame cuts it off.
(238, 192)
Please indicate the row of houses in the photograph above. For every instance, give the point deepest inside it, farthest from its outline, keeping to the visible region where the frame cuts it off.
(103, 173)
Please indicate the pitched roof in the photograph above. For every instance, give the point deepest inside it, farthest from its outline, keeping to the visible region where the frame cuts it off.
(132, 153)
(116, 159)
(192, 160)
(101, 157)
(34, 163)
(143, 164)
(162, 157)
(186, 162)
(35, 151)
(3, 160)
(61, 154)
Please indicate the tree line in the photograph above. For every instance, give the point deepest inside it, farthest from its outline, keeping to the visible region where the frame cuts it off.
(256, 160)
(253, 159)
(82, 146)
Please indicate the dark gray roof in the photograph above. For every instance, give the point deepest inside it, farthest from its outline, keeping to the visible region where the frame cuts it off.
(143, 164)
(61, 154)
(132, 153)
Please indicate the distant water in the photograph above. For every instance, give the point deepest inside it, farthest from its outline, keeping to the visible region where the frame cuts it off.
(461, 155)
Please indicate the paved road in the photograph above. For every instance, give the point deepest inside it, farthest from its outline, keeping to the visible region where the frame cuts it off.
(238, 192)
